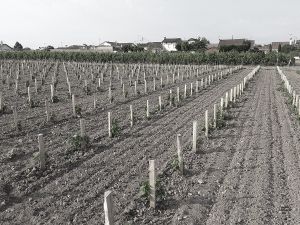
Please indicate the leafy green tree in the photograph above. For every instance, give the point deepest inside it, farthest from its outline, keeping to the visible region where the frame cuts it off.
(279, 48)
(18, 47)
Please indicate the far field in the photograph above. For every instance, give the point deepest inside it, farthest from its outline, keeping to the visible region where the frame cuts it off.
(246, 172)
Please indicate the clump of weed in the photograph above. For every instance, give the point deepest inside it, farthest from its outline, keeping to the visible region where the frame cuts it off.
(232, 104)
(220, 120)
(55, 99)
(227, 115)
(32, 104)
(78, 143)
(175, 164)
(19, 126)
(36, 158)
(145, 190)
(78, 110)
(290, 100)
(5, 110)
(53, 117)
(115, 128)
(87, 90)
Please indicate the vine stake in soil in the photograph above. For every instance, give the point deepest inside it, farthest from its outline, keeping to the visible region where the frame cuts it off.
(108, 208)
(179, 154)
(206, 123)
(152, 183)
(195, 136)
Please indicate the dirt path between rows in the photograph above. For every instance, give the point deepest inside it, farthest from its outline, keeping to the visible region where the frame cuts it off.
(262, 183)
(249, 171)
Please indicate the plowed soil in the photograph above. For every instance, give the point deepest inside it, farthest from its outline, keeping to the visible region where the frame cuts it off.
(246, 173)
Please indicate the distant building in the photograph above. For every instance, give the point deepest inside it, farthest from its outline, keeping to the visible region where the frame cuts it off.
(5, 47)
(153, 47)
(169, 44)
(235, 42)
(211, 48)
(71, 48)
(109, 46)
(264, 48)
(192, 41)
(275, 45)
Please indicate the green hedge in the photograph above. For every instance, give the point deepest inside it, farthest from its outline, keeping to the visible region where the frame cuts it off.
(232, 58)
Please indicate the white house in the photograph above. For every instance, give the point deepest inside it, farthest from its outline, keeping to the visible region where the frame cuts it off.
(108, 46)
(192, 40)
(5, 47)
(169, 44)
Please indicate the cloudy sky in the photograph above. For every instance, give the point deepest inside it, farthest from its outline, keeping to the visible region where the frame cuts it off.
(37, 23)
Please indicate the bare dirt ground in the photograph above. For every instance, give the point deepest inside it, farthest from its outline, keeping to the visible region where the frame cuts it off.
(247, 173)
(71, 190)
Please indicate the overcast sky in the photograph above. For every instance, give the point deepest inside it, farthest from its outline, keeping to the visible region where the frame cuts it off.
(37, 23)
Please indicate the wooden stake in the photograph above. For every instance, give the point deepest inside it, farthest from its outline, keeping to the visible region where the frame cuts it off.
(154, 86)
(52, 92)
(17, 86)
(82, 127)
(178, 94)
(226, 100)
(147, 110)
(95, 102)
(131, 115)
(1, 101)
(159, 103)
(29, 95)
(108, 208)
(184, 94)
(221, 107)
(42, 153)
(99, 83)
(170, 97)
(234, 94)
(109, 95)
(135, 87)
(36, 85)
(194, 136)
(152, 183)
(47, 110)
(179, 154)
(206, 123)
(215, 116)
(109, 125)
(69, 87)
(145, 82)
(73, 105)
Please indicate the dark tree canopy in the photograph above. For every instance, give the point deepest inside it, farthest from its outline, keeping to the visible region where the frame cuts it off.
(239, 48)
(132, 48)
(199, 45)
(18, 47)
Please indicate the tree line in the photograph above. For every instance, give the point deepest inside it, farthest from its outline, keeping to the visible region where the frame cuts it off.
(230, 58)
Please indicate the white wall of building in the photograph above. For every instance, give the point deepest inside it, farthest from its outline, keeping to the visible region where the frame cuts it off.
(170, 47)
